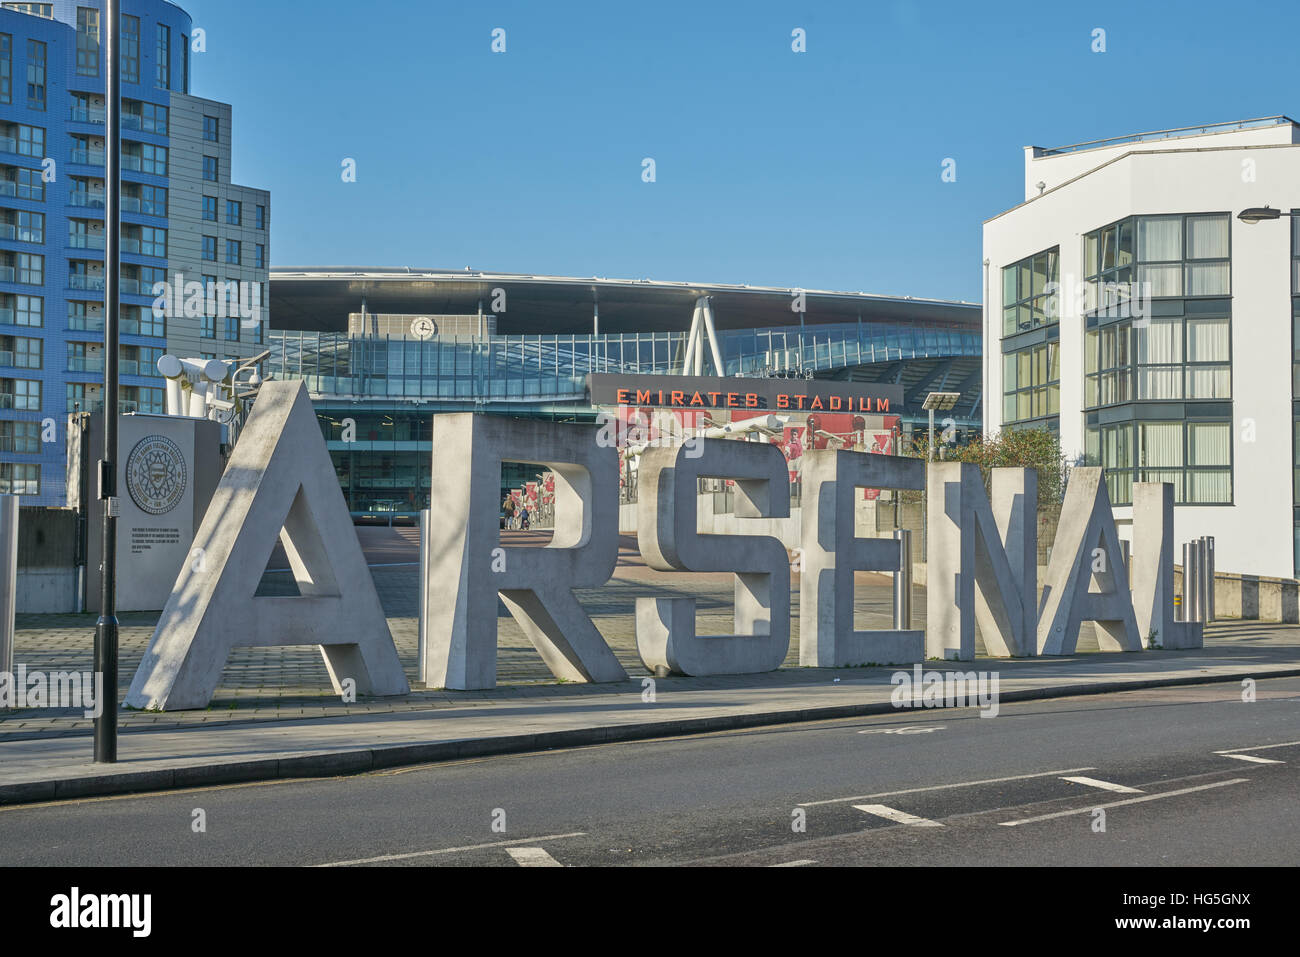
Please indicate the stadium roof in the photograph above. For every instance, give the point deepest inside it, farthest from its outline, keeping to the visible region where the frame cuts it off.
(321, 297)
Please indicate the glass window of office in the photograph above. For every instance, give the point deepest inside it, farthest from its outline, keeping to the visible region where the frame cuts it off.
(211, 128)
(1194, 456)
(210, 168)
(232, 327)
(1030, 292)
(1167, 256)
(153, 200)
(210, 208)
(259, 256)
(210, 248)
(130, 49)
(163, 58)
(1031, 383)
(87, 41)
(6, 67)
(259, 218)
(233, 252)
(35, 75)
(234, 212)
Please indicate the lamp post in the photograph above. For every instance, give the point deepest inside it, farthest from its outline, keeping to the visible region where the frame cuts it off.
(106, 635)
(1258, 214)
(938, 402)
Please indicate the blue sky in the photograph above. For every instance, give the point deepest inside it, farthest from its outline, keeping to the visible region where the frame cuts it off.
(817, 169)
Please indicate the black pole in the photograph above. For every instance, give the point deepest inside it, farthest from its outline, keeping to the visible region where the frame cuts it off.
(106, 627)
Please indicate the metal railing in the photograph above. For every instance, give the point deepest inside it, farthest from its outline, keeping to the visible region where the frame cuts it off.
(1224, 127)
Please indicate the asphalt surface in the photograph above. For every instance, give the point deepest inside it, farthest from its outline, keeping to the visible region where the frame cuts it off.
(919, 788)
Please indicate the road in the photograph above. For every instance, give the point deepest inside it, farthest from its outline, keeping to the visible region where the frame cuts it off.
(1184, 776)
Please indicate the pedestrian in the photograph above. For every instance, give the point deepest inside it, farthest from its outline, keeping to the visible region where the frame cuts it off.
(523, 517)
(508, 506)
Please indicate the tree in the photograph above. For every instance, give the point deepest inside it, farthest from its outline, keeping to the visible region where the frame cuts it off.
(1038, 449)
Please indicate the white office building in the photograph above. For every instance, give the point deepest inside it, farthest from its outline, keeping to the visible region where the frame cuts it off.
(1129, 306)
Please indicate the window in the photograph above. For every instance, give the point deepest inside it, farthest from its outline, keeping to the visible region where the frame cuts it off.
(81, 319)
(163, 58)
(232, 252)
(29, 311)
(185, 63)
(232, 327)
(21, 352)
(1167, 256)
(31, 141)
(22, 226)
(140, 320)
(259, 256)
(210, 168)
(22, 395)
(1031, 383)
(31, 269)
(260, 222)
(35, 75)
(87, 41)
(211, 128)
(45, 10)
(234, 212)
(23, 438)
(153, 242)
(210, 248)
(1195, 456)
(130, 49)
(1030, 292)
(153, 118)
(153, 159)
(17, 478)
(30, 184)
(153, 200)
(1108, 376)
(6, 68)
(210, 208)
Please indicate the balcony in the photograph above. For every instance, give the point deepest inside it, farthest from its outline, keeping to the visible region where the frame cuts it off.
(92, 114)
(8, 144)
(79, 323)
(7, 359)
(88, 200)
(130, 245)
(8, 231)
(91, 158)
(84, 282)
(8, 187)
(86, 241)
(85, 363)
(6, 273)
(7, 316)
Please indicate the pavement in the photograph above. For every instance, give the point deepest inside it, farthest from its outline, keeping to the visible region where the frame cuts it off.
(275, 715)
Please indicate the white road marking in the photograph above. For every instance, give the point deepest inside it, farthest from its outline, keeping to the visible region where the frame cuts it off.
(940, 787)
(1141, 800)
(532, 857)
(1260, 747)
(901, 817)
(793, 864)
(452, 850)
(1250, 757)
(1104, 785)
(918, 729)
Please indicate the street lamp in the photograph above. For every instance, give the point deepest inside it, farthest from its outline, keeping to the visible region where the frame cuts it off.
(938, 402)
(1257, 214)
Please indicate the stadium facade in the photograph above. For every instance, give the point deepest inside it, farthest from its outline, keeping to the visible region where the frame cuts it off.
(185, 225)
(381, 350)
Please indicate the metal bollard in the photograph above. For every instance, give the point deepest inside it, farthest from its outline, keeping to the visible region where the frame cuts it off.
(1190, 606)
(420, 623)
(8, 579)
(1209, 578)
(903, 581)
